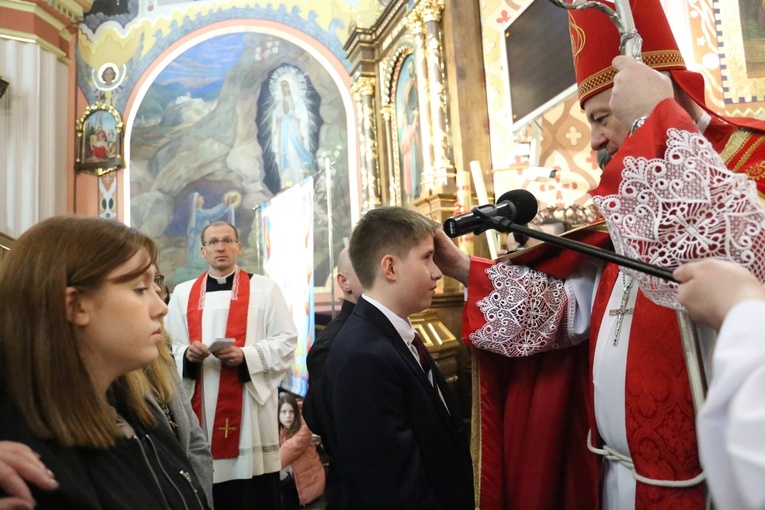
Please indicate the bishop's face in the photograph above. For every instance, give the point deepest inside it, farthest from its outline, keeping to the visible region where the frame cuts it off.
(606, 131)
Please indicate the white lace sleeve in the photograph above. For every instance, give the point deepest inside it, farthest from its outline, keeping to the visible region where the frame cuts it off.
(684, 207)
(530, 312)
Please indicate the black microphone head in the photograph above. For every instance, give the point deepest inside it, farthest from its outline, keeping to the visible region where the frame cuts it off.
(525, 203)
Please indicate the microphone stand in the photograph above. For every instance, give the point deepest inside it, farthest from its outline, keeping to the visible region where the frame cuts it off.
(503, 224)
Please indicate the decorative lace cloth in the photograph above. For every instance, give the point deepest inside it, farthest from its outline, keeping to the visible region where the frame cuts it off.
(684, 207)
(523, 314)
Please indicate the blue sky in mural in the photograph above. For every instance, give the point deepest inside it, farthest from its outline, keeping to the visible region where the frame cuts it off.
(203, 67)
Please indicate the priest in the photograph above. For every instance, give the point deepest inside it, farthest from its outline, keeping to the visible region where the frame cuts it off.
(583, 397)
(234, 341)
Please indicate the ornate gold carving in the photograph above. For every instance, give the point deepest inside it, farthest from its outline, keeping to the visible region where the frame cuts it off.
(394, 166)
(374, 168)
(440, 177)
(368, 146)
(431, 10)
(387, 111)
(363, 86)
(414, 22)
(394, 33)
(388, 69)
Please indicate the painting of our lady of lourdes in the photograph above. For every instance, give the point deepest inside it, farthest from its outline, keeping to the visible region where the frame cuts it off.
(227, 125)
(293, 126)
(289, 125)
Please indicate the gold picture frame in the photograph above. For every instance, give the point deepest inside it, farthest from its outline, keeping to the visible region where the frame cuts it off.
(99, 140)
(407, 126)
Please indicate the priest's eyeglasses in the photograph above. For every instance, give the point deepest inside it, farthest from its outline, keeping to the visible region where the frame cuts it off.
(212, 243)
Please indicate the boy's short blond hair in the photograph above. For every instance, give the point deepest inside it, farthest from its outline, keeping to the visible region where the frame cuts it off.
(384, 230)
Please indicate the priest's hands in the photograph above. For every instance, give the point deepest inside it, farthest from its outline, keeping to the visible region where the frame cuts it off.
(710, 288)
(231, 356)
(449, 259)
(197, 352)
(637, 89)
(19, 465)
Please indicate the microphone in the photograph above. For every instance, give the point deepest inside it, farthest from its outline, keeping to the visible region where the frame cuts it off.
(518, 205)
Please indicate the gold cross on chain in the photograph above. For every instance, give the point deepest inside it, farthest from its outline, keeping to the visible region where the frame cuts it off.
(622, 311)
(226, 429)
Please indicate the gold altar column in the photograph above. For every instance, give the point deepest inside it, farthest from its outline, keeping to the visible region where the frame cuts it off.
(363, 90)
(443, 170)
(394, 185)
(464, 205)
(417, 29)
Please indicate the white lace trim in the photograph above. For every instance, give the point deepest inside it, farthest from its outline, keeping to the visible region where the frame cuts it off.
(685, 207)
(523, 314)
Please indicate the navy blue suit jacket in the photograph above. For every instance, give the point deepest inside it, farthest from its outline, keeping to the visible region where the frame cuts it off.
(394, 442)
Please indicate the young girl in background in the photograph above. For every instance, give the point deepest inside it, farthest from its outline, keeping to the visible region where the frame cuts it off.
(302, 472)
(79, 316)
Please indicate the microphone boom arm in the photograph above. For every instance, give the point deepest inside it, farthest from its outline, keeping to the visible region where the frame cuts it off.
(504, 225)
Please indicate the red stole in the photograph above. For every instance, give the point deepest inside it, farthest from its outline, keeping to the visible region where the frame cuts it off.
(227, 425)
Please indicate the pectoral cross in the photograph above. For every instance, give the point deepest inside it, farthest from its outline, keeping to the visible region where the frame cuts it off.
(622, 311)
(226, 429)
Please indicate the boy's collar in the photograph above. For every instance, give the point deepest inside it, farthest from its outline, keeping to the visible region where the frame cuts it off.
(402, 325)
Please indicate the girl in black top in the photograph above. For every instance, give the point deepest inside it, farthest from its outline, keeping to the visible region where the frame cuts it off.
(79, 311)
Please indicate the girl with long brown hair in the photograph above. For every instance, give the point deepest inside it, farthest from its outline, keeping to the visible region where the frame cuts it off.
(79, 314)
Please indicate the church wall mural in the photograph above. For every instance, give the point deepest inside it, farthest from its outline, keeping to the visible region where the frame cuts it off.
(226, 104)
(225, 126)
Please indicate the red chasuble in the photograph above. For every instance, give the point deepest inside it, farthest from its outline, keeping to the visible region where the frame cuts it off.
(532, 414)
(227, 425)
(530, 449)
